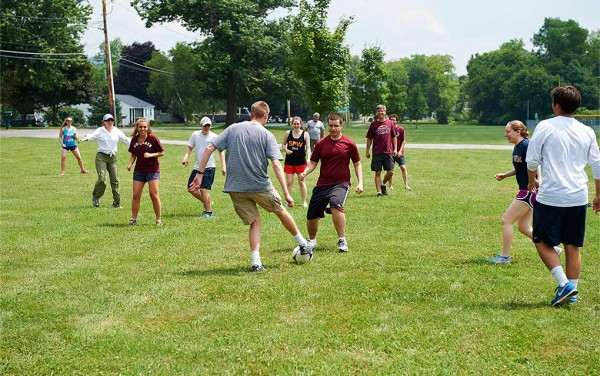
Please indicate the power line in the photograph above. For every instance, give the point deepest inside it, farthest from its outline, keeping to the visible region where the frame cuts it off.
(43, 53)
(38, 58)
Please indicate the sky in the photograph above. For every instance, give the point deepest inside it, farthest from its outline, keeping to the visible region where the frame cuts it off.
(401, 28)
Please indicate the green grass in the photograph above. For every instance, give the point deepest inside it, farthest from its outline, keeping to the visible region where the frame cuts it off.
(81, 292)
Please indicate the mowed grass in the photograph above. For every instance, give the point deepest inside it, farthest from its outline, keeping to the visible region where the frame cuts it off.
(81, 292)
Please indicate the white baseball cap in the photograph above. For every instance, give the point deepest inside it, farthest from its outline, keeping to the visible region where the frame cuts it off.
(108, 117)
(205, 120)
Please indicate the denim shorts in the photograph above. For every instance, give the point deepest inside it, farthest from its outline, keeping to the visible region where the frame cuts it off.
(145, 177)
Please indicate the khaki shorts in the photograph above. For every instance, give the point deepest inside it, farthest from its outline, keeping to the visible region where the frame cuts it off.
(244, 203)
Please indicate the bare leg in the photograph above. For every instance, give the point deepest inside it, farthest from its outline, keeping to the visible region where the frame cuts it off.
(63, 158)
(516, 211)
(303, 192)
(138, 188)
(287, 221)
(156, 204)
(573, 261)
(378, 181)
(312, 226)
(289, 181)
(388, 176)
(339, 222)
(79, 161)
(254, 235)
(404, 175)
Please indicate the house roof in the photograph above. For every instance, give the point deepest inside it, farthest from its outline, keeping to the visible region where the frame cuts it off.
(132, 101)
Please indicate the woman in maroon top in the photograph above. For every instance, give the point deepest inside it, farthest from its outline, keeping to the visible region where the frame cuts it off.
(145, 149)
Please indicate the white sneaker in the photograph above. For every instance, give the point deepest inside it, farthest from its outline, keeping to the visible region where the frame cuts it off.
(558, 250)
(304, 204)
(391, 187)
(311, 244)
(407, 188)
(342, 245)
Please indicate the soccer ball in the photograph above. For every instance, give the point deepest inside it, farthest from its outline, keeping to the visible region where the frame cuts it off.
(300, 258)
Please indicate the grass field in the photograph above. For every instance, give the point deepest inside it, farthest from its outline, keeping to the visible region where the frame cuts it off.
(81, 292)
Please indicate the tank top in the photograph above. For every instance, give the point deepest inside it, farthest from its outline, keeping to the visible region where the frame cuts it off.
(69, 136)
(298, 148)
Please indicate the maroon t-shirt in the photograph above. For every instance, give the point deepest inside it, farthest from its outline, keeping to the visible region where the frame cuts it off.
(382, 134)
(400, 133)
(335, 156)
(150, 145)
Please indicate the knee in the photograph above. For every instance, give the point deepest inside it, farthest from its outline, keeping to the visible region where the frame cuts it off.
(506, 221)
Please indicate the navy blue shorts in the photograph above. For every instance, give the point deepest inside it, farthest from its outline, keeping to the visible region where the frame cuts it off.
(554, 225)
(70, 148)
(333, 195)
(385, 161)
(400, 160)
(207, 178)
(145, 177)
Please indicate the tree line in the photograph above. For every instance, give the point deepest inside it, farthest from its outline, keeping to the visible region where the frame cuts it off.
(247, 55)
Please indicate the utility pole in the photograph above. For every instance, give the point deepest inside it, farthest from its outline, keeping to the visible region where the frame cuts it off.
(109, 76)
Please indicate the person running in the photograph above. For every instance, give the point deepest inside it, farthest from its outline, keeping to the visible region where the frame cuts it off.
(296, 145)
(382, 135)
(335, 153)
(145, 149)
(562, 146)
(68, 141)
(316, 130)
(108, 137)
(399, 158)
(199, 140)
(250, 147)
(521, 208)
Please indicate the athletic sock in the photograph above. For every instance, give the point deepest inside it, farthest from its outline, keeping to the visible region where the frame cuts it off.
(255, 258)
(560, 275)
(342, 238)
(574, 282)
(300, 239)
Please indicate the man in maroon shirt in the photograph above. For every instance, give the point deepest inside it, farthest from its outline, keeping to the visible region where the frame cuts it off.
(382, 135)
(335, 152)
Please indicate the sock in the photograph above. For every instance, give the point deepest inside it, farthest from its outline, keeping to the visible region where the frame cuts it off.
(342, 238)
(255, 258)
(300, 239)
(574, 282)
(560, 275)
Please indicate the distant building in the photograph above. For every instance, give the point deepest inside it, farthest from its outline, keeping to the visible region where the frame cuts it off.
(133, 108)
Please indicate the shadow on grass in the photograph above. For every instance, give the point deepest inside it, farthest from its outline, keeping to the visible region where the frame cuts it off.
(241, 270)
(514, 306)
(484, 261)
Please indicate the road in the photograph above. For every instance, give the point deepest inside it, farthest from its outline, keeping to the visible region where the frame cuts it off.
(53, 133)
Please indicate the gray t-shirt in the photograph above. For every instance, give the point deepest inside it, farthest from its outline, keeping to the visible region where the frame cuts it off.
(249, 147)
(314, 129)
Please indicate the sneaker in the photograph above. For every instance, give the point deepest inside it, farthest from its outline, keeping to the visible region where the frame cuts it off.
(63, 173)
(133, 222)
(563, 294)
(500, 260)
(159, 222)
(117, 205)
(573, 299)
(207, 215)
(95, 202)
(407, 188)
(558, 250)
(304, 204)
(383, 190)
(379, 194)
(311, 244)
(342, 245)
(84, 171)
(391, 186)
(258, 268)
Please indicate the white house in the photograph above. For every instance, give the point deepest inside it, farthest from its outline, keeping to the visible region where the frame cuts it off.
(133, 108)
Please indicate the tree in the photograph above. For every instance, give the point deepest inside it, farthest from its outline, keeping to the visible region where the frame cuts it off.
(58, 76)
(319, 56)
(397, 82)
(241, 41)
(131, 78)
(371, 88)
(417, 103)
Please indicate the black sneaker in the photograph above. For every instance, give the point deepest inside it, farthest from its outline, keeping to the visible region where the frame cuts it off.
(117, 205)
(95, 202)
(258, 268)
(383, 190)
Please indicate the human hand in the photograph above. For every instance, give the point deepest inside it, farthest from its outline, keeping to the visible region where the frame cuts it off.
(532, 187)
(224, 171)
(596, 204)
(359, 188)
(195, 183)
(499, 177)
(368, 155)
(290, 200)
(129, 168)
(147, 155)
(185, 162)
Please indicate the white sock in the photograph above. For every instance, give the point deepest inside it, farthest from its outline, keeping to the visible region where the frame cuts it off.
(342, 238)
(560, 275)
(574, 282)
(557, 249)
(300, 239)
(255, 258)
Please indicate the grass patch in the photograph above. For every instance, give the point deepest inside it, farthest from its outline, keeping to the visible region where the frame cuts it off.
(81, 292)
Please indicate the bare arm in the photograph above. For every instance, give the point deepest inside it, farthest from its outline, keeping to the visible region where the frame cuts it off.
(284, 143)
(278, 170)
(186, 156)
(223, 164)
(307, 143)
(358, 172)
(596, 201)
(369, 142)
(504, 175)
(60, 136)
(309, 168)
(132, 159)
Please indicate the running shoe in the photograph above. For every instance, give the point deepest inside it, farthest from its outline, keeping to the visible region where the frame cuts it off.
(563, 294)
(500, 260)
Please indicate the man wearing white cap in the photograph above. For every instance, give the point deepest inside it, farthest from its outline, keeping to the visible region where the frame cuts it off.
(108, 136)
(199, 140)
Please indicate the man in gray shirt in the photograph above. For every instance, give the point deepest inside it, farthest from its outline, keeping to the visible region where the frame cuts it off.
(316, 130)
(250, 147)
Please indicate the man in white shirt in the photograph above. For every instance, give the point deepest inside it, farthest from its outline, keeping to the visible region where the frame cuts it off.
(199, 140)
(107, 136)
(316, 130)
(563, 147)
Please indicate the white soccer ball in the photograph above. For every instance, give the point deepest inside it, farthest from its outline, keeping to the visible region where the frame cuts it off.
(299, 258)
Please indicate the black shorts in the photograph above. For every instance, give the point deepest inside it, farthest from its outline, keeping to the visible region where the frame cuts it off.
(554, 225)
(207, 178)
(385, 161)
(332, 195)
(70, 148)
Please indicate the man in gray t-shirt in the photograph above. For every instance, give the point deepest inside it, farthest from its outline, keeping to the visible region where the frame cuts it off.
(250, 147)
(316, 130)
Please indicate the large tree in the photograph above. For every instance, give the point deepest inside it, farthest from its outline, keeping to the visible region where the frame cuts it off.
(371, 87)
(319, 56)
(46, 66)
(397, 80)
(241, 41)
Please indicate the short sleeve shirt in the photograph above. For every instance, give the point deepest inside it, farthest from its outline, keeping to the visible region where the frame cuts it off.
(199, 142)
(249, 147)
(150, 145)
(335, 157)
(382, 133)
(314, 129)
(518, 160)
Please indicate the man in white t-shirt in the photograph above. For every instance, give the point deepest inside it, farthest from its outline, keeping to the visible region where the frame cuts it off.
(316, 130)
(563, 147)
(199, 140)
